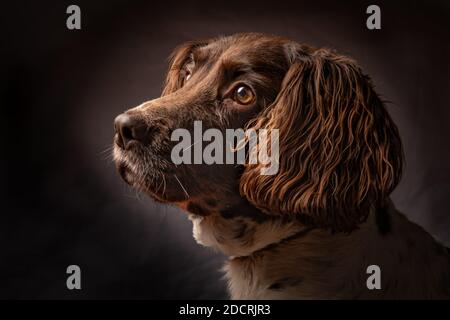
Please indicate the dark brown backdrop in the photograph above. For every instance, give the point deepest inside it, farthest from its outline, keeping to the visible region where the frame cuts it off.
(62, 202)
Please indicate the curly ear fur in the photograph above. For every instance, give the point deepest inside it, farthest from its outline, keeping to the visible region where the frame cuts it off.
(176, 62)
(340, 152)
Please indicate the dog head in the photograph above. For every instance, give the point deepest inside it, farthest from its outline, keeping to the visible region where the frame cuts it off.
(339, 150)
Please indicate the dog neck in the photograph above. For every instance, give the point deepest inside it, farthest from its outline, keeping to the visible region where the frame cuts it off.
(242, 230)
(275, 258)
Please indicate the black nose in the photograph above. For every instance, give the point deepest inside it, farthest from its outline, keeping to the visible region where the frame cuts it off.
(128, 129)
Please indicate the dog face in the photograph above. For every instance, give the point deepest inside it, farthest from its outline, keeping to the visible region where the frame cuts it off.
(223, 83)
(340, 152)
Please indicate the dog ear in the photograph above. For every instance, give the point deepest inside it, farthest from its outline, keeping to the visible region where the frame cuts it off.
(340, 153)
(177, 60)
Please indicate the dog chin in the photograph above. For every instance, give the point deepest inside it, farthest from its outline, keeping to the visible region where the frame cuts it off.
(125, 173)
(159, 191)
(156, 192)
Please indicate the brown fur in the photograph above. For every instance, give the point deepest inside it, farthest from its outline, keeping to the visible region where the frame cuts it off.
(310, 230)
(340, 152)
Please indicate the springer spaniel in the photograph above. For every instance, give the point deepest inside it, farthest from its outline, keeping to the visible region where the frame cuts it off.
(312, 229)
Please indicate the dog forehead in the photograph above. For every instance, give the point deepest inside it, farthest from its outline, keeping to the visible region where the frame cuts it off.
(243, 48)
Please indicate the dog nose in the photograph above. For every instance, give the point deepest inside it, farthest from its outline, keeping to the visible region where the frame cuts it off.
(128, 129)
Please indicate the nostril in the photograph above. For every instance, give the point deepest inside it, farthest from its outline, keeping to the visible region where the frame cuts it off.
(127, 133)
(129, 128)
(139, 132)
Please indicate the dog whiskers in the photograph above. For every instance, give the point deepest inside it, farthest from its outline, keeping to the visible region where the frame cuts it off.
(164, 180)
(107, 149)
(187, 194)
(192, 145)
(107, 153)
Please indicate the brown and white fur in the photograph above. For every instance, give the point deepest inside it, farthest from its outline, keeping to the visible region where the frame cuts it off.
(311, 230)
(317, 264)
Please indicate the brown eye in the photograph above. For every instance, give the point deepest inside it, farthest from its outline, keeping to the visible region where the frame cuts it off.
(244, 95)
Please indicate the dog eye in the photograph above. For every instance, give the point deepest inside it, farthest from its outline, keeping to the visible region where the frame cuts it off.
(243, 95)
(185, 77)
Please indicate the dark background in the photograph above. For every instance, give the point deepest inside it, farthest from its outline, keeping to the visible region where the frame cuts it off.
(62, 202)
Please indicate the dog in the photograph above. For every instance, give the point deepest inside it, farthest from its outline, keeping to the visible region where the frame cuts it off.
(316, 228)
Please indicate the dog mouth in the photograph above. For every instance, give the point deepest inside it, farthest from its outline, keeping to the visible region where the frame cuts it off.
(125, 173)
(155, 188)
(148, 178)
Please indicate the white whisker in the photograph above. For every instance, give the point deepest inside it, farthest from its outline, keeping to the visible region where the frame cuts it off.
(187, 194)
(107, 153)
(192, 145)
